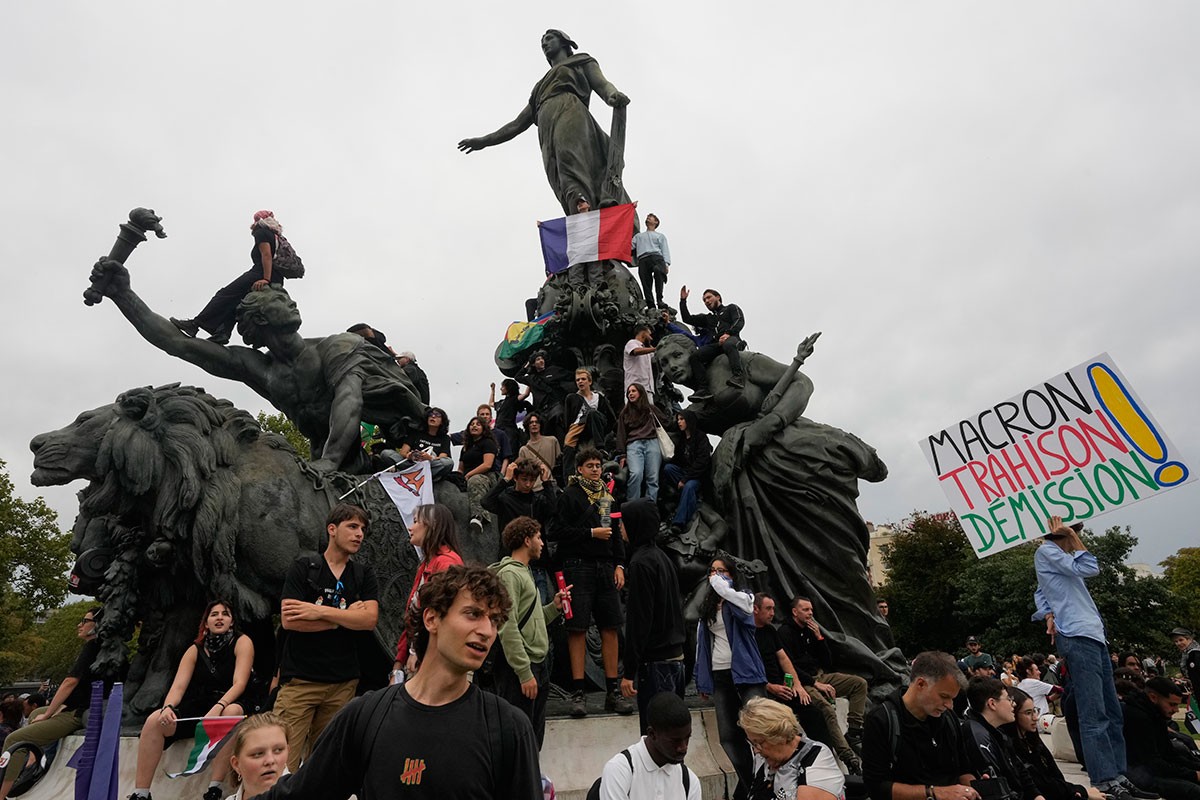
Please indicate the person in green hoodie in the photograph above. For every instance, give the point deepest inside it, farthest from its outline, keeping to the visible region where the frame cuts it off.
(520, 674)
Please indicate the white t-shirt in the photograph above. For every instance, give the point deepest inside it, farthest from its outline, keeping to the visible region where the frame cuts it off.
(722, 653)
(592, 402)
(812, 765)
(647, 780)
(1037, 691)
(637, 368)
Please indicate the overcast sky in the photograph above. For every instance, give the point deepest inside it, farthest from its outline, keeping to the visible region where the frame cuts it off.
(965, 198)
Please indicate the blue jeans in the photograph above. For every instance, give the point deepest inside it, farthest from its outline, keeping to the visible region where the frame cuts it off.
(689, 497)
(1100, 718)
(643, 457)
(655, 677)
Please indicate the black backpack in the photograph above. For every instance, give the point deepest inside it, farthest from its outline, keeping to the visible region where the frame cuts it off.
(286, 261)
(594, 792)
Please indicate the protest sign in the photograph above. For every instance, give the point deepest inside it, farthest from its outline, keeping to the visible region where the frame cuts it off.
(1075, 446)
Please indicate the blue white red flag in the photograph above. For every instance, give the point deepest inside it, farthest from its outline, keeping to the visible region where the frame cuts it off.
(590, 236)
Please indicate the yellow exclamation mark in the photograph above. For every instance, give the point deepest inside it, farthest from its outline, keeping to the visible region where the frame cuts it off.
(1133, 422)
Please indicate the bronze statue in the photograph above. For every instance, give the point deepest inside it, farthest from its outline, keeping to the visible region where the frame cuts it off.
(788, 487)
(188, 499)
(325, 386)
(575, 151)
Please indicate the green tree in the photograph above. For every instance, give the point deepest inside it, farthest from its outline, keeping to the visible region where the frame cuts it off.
(927, 552)
(1182, 573)
(1138, 610)
(279, 423)
(60, 641)
(20, 643)
(34, 553)
(940, 593)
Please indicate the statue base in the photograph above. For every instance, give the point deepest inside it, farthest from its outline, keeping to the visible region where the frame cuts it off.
(573, 755)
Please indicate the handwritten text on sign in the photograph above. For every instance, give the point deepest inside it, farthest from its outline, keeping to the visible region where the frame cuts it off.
(1076, 446)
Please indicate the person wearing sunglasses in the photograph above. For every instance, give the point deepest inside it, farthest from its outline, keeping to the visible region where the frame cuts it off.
(64, 715)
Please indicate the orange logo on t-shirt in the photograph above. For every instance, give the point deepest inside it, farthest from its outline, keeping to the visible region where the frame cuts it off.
(413, 769)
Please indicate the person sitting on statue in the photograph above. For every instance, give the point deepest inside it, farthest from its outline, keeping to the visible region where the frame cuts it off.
(512, 402)
(476, 462)
(64, 715)
(546, 381)
(432, 443)
(211, 681)
(725, 323)
(218, 316)
(653, 258)
(542, 449)
(591, 419)
(407, 361)
(326, 386)
(637, 442)
(689, 468)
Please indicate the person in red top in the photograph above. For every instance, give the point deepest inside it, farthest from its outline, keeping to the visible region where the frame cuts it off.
(433, 533)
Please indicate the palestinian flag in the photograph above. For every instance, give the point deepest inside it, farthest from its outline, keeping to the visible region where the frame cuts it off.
(211, 733)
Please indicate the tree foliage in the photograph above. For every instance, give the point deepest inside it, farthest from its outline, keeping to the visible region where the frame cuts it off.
(939, 593)
(279, 423)
(1182, 573)
(34, 553)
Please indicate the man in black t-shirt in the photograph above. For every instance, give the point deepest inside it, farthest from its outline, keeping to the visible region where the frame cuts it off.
(436, 735)
(328, 602)
(64, 715)
(776, 663)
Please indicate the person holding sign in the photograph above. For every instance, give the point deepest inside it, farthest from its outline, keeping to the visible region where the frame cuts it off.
(1073, 623)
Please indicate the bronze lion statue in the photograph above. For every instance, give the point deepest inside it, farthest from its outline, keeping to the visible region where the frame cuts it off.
(189, 499)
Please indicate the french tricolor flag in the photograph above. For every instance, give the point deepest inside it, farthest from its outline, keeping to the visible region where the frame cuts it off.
(591, 236)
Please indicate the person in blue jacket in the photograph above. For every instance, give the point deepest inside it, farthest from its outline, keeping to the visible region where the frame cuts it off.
(728, 666)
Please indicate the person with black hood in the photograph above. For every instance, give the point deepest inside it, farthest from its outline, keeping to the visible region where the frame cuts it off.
(689, 467)
(1154, 763)
(549, 383)
(654, 632)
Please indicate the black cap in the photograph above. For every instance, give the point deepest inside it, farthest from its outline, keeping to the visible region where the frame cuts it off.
(972, 640)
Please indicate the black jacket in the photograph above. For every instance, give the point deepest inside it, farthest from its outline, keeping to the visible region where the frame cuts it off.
(420, 380)
(808, 654)
(692, 455)
(600, 423)
(726, 319)
(928, 752)
(572, 530)
(992, 754)
(507, 504)
(1044, 769)
(1147, 744)
(654, 629)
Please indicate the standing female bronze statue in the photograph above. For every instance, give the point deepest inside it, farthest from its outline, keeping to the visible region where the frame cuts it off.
(575, 151)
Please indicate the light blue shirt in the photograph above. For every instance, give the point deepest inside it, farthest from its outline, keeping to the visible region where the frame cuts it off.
(651, 242)
(1062, 591)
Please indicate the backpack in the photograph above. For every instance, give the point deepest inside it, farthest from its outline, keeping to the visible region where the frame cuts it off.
(286, 261)
(486, 674)
(594, 792)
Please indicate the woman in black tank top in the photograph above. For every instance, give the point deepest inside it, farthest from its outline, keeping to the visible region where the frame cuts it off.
(212, 677)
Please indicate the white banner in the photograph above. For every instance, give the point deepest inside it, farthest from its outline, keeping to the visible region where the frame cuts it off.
(409, 488)
(1077, 445)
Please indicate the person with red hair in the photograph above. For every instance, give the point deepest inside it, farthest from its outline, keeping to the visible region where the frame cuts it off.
(210, 682)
